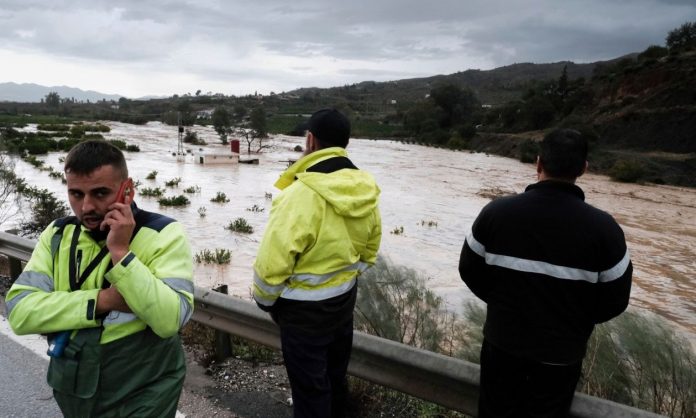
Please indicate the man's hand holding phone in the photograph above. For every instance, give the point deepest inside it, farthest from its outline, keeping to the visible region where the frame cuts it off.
(120, 222)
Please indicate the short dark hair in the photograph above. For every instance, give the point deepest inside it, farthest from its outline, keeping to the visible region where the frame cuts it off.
(88, 156)
(563, 153)
(330, 127)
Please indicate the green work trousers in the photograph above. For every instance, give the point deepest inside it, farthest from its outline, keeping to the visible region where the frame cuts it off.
(137, 376)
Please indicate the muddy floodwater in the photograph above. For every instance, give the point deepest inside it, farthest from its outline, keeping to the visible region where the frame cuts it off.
(433, 194)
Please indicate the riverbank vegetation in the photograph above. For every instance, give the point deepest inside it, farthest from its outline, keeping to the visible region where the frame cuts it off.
(635, 359)
(44, 206)
(43, 142)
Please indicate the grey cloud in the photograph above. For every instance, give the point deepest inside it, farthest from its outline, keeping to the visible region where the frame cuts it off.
(368, 38)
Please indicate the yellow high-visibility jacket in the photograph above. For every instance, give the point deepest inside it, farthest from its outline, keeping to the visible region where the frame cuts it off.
(324, 230)
(155, 278)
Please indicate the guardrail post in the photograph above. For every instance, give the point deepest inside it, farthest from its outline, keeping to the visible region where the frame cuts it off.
(15, 267)
(223, 340)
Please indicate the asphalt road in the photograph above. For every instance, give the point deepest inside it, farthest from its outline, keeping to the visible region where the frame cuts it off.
(24, 392)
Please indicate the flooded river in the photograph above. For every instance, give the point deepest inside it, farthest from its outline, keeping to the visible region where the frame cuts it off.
(433, 194)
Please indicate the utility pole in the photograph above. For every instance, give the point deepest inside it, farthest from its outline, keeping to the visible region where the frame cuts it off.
(180, 154)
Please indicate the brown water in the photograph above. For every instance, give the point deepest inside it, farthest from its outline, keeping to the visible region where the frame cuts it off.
(419, 185)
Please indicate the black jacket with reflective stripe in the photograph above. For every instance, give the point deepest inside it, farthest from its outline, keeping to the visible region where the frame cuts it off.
(550, 267)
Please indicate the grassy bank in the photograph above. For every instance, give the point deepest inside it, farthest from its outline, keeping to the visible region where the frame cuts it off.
(38, 119)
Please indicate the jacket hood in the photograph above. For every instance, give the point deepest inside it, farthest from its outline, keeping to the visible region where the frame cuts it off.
(352, 193)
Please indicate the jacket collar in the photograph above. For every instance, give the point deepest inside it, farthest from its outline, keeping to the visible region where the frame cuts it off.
(556, 185)
(301, 165)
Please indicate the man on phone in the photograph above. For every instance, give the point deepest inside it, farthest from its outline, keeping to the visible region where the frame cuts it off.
(111, 287)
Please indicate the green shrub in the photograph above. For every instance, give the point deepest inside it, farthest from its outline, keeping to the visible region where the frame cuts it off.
(191, 137)
(33, 161)
(529, 150)
(653, 52)
(96, 128)
(220, 197)
(217, 256)
(118, 143)
(240, 225)
(152, 175)
(395, 303)
(457, 142)
(180, 200)
(627, 171)
(255, 208)
(192, 189)
(132, 148)
(251, 351)
(173, 182)
(57, 175)
(67, 144)
(640, 361)
(53, 127)
(399, 230)
(77, 131)
(36, 147)
(45, 208)
(151, 192)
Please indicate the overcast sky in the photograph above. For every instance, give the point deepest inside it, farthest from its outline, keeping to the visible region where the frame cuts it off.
(162, 47)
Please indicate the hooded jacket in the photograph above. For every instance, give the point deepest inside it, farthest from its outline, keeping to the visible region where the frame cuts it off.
(324, 229)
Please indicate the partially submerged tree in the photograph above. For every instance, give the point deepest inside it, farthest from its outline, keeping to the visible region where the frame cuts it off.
(222, 121)
(258, 122)
(256, 132)
(45, 207)
(53, 99)
(9, 199)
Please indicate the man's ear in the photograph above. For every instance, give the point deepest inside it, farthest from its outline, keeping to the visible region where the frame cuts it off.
(584, 169)
(310, 144)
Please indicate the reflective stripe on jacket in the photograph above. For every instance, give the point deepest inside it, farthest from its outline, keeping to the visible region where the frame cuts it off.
(324, 229)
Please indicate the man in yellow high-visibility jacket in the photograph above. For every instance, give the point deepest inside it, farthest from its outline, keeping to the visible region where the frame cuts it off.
(116, 282)
(324, 230)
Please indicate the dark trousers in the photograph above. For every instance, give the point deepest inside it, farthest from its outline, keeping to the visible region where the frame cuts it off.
(516, 387)
(316, 366)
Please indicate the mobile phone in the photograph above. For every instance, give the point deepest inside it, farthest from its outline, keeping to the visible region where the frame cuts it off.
(126, 189)
(57, 343)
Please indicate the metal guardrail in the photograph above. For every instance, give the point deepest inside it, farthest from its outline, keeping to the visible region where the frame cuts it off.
(447, 381)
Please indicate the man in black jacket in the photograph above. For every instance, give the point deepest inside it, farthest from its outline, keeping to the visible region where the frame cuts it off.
(549, 267)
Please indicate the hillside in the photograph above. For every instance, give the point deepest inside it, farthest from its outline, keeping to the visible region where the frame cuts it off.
(648, 105)
(639, 114)
(493, 87)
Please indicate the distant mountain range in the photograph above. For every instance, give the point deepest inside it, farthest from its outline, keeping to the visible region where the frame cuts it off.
(29, 92)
